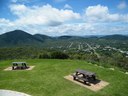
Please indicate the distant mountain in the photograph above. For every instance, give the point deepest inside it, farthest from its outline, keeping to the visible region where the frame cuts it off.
(115, 37)
(92, 36)
(65, 37)
(21, 38)
(69, 37)
(42, 37)
(18, 38)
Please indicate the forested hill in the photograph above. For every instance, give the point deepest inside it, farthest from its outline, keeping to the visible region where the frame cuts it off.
(21, 38)
(115, 37)
(18, 38)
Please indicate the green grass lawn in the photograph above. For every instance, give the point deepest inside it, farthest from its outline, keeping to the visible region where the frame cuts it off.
(47, 79)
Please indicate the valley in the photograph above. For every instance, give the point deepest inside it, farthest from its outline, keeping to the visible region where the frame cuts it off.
(107, 51)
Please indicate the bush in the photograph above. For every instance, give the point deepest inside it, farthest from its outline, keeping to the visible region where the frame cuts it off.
(44, 56)
(59, 55)
(76, 56)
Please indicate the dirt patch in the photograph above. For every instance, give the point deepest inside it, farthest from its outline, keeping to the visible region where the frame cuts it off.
(94, 87)
(10, 68)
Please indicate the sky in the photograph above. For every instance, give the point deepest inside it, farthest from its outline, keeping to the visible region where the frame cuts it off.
(65, 17)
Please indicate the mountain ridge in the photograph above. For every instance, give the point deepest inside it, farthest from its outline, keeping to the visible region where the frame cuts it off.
(22, 38)
(18, 37)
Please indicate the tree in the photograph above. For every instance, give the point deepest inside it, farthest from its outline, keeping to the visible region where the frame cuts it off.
(59, 55)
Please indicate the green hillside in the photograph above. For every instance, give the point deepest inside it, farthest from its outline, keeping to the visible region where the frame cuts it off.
(21, 38)
(18, 38)
(115, 37)
(47, 79)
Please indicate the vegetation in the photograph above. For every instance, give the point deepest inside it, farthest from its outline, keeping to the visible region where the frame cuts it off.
(47, 79)
(54, 55)
(108, 51)
(106, 59)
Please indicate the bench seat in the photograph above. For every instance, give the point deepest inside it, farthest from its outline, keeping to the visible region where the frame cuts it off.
(80, 78)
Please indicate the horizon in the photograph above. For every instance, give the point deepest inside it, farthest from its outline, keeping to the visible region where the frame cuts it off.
(65, 17)
(66, 35)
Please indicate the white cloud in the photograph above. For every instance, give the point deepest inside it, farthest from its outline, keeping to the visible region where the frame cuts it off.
(5, 22)
(101, 13)
(18, 9)
(5, 25)
(68, 29)
(36, 18)
(81, 29)
(94, 13)
(22, 1)
(60, 0)
(66, 6)
(46, 15)
(122, 5)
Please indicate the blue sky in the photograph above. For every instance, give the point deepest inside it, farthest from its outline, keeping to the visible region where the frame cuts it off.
(65, 17)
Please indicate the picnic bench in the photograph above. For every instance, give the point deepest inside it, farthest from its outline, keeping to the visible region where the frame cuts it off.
(19, 65)
(84, 75)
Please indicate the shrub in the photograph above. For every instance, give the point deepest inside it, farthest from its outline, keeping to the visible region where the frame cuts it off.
(44, 56)
(59, 55)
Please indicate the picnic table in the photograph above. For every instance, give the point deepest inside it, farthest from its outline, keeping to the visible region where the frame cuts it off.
(19, 65)
(84, 75)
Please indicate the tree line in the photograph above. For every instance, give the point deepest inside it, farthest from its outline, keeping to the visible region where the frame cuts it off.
(113, 59)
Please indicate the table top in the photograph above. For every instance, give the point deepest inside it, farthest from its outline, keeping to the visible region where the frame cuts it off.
(85, 72)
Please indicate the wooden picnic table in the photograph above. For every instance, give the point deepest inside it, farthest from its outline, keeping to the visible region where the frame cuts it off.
(84, 75)
(19, 65)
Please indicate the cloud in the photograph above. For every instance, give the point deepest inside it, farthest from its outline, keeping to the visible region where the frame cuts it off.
(65, 29)
(78, 29)
(55, 22)
(6, 25)
(22, 1)
(45, 15)
(5, 22)
(81, 29)
(18, 9)
(60, 0)
(100, 13)
(66, 6)
(122, 5)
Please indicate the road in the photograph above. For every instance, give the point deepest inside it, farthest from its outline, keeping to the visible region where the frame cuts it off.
(93, 50)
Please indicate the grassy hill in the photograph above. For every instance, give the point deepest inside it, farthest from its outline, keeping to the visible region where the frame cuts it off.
(46, 79)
